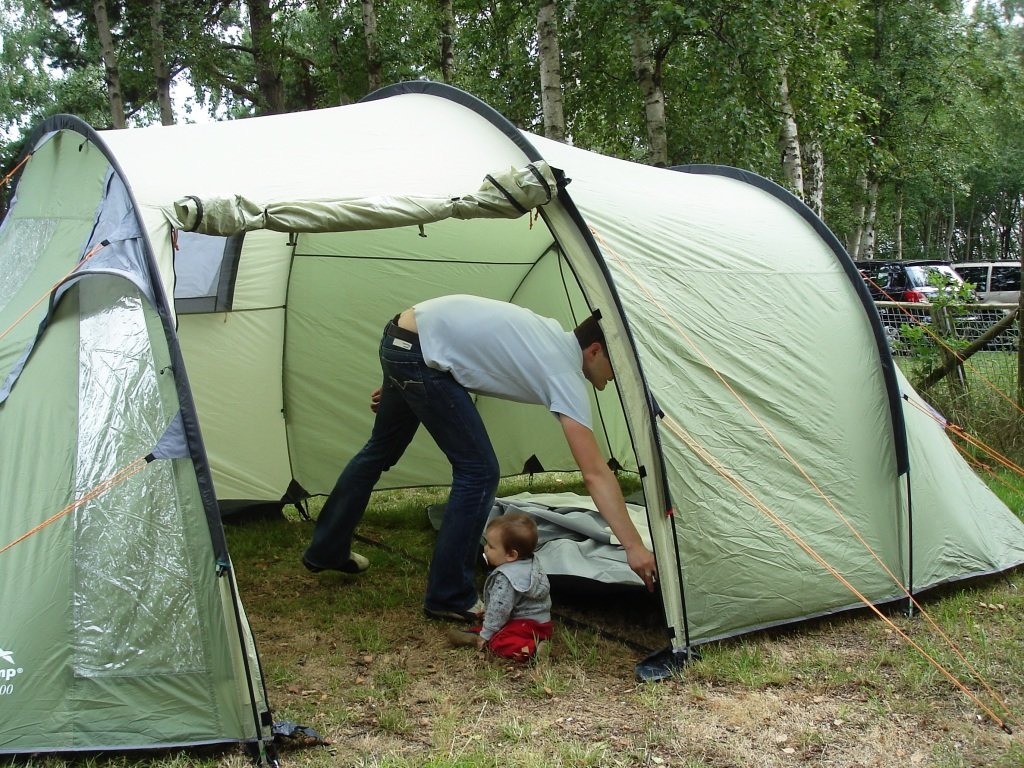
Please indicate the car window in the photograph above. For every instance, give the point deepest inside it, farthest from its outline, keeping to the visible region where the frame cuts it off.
(1006, 278)
(975, 275)
(918, 274)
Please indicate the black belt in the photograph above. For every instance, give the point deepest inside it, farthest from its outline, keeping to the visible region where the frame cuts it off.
(395, 331)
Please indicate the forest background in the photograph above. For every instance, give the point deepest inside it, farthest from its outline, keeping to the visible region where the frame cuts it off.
(900, 122)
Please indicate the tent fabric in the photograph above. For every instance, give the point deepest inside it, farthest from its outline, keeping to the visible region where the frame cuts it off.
(752, 397)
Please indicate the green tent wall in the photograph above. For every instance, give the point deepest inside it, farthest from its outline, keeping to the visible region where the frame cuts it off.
(751, 378)
(121, 623)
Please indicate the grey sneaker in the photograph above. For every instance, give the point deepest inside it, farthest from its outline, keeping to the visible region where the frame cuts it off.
(356, 564)
(472, 614)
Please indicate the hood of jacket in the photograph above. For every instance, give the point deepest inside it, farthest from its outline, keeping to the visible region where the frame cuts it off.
(526, 577)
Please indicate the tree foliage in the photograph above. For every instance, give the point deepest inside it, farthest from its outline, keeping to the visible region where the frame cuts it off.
(905, 114)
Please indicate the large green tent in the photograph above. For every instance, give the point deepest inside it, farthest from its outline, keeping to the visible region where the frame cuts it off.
(210, 298)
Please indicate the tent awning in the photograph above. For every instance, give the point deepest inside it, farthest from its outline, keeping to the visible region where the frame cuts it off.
(504, 195)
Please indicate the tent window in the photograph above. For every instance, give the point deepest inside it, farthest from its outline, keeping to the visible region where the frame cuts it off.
(205, 267)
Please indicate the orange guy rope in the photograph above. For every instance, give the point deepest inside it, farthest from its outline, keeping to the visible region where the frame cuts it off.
(14, 170)
(967, 437)
(710, 460)
(99, 489)
(95, 249)
(941, 342)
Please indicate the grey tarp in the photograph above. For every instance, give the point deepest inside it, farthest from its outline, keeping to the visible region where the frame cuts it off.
(573, 538)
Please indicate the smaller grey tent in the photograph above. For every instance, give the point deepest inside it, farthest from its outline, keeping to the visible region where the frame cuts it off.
(753, 386)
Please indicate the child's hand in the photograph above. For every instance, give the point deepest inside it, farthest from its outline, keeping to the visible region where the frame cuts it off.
(480, 643)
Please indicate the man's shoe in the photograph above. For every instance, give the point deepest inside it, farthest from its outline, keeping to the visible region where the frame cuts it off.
(356, 564)
(472, 614)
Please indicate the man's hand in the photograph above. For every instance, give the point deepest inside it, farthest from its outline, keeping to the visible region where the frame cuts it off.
(641, 561)
(604, 490)
(375, 400)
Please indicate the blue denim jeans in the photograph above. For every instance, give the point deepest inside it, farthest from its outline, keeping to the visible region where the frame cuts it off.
(413, 393)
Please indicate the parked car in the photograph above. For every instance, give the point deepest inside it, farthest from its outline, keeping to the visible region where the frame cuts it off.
(908, 282)
(996, 281)
(905, 280)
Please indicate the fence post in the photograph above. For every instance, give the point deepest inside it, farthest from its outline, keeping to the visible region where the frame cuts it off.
(950, 362)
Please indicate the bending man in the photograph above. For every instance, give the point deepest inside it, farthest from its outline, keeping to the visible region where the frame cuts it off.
(433, 356)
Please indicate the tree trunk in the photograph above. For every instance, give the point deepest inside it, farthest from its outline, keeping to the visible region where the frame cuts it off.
(867, 239)
(789, 140)
(265, 58)
(858, 216)
(951, 227)
(550, 70)
(160, 69)
(373, 64)
(111, 73)
(899, 222)
(648, 76)
(447, 35)
(814, 176)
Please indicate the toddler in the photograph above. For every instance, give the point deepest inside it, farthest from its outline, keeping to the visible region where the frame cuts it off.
(517, 599)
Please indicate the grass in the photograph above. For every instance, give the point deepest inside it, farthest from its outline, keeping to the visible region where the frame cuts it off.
(354, 658)
(986, 407)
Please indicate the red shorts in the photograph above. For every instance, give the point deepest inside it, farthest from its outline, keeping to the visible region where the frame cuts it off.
(518, 639)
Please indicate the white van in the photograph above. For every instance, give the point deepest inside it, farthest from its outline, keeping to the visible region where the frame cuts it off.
(995, 281)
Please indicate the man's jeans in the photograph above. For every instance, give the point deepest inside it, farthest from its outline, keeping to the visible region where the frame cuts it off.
(413, 393)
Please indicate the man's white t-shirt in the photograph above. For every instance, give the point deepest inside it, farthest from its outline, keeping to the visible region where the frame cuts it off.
(503, 350)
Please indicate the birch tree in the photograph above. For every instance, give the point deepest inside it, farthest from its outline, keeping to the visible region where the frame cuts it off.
(648, 58)
(373, 65)
(789, 140)
(447, 47)
(550, 70)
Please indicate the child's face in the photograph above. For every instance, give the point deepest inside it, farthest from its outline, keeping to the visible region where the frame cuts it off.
(494, 549)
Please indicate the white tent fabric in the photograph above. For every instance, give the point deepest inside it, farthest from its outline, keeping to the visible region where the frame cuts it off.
(572, 538)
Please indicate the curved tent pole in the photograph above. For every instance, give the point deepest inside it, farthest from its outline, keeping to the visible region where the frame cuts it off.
(899, 427)
(444, 91)
(888, 365)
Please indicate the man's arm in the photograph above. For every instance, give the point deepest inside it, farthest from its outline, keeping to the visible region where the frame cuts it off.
(604, 490)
